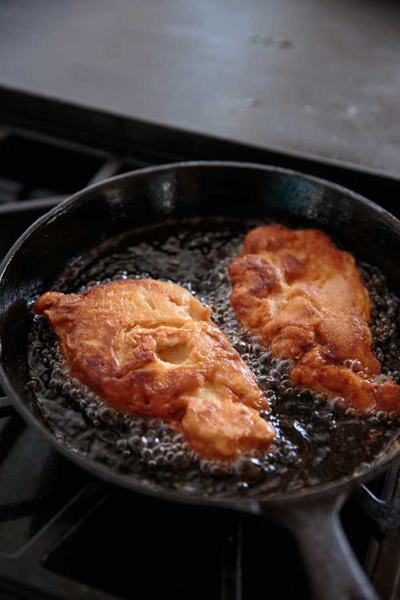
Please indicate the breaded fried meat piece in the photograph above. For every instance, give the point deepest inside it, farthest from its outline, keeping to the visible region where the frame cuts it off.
(149, 348)
(306, 299)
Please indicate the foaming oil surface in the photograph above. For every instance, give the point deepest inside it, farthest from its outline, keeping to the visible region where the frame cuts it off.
(317, 440)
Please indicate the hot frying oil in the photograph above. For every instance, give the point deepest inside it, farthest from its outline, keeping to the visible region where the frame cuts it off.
(318, 439)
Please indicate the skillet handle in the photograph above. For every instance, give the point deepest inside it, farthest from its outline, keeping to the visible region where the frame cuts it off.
(333, 570)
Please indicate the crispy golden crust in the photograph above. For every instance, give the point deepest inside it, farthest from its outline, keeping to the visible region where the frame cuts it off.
(149, 348)
(306, 299)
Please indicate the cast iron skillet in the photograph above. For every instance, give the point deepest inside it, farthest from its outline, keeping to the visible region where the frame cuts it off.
(159, 194)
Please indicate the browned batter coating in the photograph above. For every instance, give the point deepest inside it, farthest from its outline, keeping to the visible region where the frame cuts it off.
(306, 299)
(149, 348)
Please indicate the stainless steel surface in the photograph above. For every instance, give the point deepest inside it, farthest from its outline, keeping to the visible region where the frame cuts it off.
(321, 78)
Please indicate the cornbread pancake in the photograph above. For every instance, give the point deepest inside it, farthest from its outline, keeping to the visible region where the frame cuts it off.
(149, 348)
(306, 300)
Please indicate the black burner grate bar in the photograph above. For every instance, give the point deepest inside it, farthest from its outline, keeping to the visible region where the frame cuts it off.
(117, 167)
(32, 558)
(9, 436)
(38, 188)
(231, 580)
(6, 407)
(27, 582)
(383, 559)
(386, 575)
(24, 205)
(383, 514)
(64, 523)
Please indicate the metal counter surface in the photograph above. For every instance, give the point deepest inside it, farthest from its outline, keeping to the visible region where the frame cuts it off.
(318, 78)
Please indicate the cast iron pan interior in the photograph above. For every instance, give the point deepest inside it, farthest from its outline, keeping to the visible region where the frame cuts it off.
(157, 195)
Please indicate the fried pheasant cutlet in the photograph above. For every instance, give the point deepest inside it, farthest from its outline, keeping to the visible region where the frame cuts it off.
(149, 348)
(306, 299)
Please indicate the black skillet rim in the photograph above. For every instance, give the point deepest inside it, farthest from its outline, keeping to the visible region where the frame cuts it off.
(246, 503)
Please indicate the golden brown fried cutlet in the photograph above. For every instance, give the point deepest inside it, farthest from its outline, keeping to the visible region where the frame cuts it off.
(149, 348)
(306, 300)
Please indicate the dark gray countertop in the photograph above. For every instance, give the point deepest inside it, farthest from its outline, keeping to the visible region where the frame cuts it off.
(316, 77)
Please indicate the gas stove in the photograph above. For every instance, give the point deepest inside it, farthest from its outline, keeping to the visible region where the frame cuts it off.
(65, 535)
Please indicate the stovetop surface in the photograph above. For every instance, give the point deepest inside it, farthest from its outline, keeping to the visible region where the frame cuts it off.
(65, 535)
(121, 543)
(319, 78)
